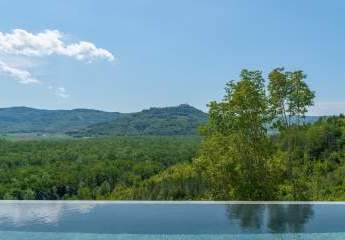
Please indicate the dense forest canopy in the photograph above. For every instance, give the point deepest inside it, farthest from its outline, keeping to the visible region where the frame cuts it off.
(236, 156)
(86, 169)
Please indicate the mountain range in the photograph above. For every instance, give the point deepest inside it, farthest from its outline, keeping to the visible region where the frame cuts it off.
(178, 120)
(31, 120)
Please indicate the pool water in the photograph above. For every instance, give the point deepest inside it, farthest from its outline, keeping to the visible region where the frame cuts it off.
(88, 236)
(169, 221)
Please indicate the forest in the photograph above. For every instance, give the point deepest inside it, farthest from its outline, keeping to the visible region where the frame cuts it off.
(255, 145)
(86, 168)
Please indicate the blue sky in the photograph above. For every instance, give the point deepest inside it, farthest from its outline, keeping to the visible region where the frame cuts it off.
(170, 52)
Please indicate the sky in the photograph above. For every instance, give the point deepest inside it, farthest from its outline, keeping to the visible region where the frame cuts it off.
(130, 55)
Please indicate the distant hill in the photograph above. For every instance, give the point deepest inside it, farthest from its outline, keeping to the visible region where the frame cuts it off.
(30, 120)
(180, 120)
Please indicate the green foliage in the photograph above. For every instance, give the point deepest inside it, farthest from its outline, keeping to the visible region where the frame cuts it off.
(179, 182)
(86, 169)
(238, 160)
(315, 165)
(289, 97)
(300, 96)
(315, 170)
(236, 148)
(279, 89)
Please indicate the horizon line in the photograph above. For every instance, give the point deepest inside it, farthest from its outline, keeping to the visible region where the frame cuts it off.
(97, 109)
(110, 111)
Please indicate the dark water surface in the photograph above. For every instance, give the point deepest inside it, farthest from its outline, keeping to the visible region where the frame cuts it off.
(92, 220)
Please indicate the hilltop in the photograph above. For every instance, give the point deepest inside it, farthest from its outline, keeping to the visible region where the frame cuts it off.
(179, 120)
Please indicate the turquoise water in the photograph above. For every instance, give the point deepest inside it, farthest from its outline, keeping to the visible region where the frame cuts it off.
(169, 221)
(88, 236)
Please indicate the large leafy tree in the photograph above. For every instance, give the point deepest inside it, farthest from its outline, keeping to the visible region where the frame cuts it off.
(236, 151)
(289, 100)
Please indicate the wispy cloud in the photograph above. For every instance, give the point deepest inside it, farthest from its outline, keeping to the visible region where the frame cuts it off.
(61, 92)
(49, 42)
(22, 76)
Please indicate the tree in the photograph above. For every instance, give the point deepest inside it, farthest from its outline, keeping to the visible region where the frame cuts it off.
(235, 154)
(279, 89)
(289, 97)
(300, 96)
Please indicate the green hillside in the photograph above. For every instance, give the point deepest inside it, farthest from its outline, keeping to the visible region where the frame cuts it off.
(179, 120)
(30, 120)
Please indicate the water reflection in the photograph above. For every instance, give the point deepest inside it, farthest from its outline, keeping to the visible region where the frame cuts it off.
(277, 218)
(22, 214)
(249, 216)
(289, 218)
(152, 218)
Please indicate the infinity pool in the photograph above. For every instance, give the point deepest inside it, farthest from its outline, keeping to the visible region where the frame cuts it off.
(170, 221)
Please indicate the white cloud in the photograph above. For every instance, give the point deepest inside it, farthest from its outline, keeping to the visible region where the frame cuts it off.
(49, 42)
(22, 76)
(61, 92)
(22, 45)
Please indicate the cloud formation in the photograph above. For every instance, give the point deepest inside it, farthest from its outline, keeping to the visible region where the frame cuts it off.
(49, 42)
(23, 44)
(61, 92)
(22, 76)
